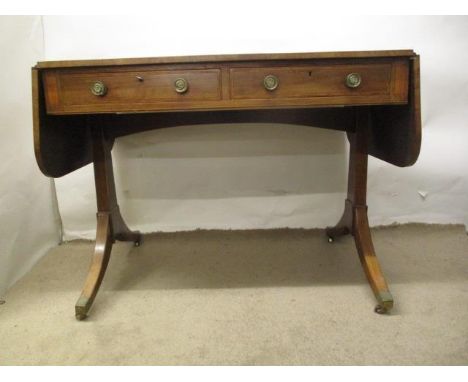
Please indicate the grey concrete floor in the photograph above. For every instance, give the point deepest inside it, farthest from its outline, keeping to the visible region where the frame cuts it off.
(272, 297)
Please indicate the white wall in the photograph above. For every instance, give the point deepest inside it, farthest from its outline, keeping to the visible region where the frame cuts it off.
(259, 176)
(28, 220)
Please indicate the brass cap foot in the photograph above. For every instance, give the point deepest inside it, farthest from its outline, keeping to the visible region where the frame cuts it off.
(385, 304)
(82, 308)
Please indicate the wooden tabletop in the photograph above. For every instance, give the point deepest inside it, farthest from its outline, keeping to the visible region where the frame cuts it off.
(223, 58)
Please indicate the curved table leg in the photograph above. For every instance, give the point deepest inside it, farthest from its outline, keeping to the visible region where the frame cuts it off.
(369, 261)
(98, 266)
(354, 220)
(344, 226)
(121, 230)
(110, 224)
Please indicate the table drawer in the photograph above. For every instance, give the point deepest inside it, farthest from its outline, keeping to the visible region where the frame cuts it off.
(128, 90)
(375, 83)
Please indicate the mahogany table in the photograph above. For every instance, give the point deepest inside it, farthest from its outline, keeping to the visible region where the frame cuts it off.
(81, 107)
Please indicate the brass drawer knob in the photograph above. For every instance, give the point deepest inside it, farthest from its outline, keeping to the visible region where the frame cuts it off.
(353, 80)
(180, 85)
(99, 89)
(270, 82)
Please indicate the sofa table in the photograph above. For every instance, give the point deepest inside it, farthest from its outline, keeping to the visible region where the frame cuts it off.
(81, 107)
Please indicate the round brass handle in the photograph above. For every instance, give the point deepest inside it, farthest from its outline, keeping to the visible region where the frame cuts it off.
(270, 82)
(353, 80)
(99, 89)
(180, 85)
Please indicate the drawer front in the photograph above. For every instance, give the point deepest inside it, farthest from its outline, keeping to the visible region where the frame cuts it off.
(225, 86)
(379, 82)
(129, 90)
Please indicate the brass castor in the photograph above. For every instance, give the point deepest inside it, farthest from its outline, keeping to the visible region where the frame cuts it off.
(138, 241)
(80, 316)
(379, 309)
(385, 304)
